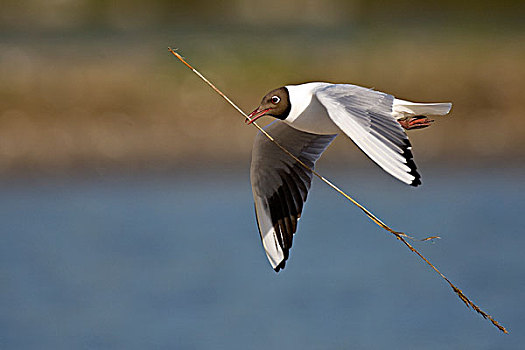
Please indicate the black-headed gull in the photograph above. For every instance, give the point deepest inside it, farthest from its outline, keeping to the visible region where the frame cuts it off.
(312, 115)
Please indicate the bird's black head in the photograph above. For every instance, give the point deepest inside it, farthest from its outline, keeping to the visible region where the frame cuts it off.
(276, 103)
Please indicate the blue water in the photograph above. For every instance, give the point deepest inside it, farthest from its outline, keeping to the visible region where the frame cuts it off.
(176, 262)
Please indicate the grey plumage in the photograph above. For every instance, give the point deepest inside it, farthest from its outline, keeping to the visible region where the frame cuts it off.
(280, 185)
(365, 116)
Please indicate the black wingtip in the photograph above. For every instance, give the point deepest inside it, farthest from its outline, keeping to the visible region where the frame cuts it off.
(409, 157)
(280, 266)
(413, 171)
(416, 182)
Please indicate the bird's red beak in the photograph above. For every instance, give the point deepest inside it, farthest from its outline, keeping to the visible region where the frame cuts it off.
(256, 114)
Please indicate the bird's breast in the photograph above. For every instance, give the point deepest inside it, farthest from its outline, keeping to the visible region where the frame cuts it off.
(313, 119)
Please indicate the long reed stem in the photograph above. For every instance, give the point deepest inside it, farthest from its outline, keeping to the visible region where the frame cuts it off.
(399, 235)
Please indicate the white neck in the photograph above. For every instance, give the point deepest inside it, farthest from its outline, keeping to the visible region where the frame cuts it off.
(307, 113)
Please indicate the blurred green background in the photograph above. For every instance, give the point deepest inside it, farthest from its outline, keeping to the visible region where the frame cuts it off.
(88, 85)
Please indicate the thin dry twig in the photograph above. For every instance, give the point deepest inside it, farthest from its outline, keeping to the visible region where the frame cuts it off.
(399, 235)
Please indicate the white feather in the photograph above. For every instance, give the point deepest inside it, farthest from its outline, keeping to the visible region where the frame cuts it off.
(402, 109)
(360, 113)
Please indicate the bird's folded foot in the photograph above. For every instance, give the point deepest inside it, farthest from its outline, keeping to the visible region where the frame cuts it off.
(417, 122)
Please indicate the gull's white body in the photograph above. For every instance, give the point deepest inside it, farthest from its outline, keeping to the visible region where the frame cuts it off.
(309, 115)
(317, 113)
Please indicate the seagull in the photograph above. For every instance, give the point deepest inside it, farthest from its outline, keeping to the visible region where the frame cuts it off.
(308, 118)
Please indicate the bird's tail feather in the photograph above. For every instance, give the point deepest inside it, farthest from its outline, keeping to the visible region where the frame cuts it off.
(403, 109)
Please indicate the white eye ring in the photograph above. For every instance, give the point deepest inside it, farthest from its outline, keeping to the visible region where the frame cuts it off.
(276, 99)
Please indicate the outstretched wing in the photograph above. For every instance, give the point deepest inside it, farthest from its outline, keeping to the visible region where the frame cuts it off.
(280, 185)
(365, 116)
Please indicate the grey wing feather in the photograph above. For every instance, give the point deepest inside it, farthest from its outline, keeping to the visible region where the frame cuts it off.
(280, 185)
(365, 116)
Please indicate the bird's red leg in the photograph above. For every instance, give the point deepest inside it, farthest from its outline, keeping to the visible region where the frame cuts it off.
(417, 122)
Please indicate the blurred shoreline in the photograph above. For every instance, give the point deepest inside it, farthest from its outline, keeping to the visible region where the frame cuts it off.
(224, 171)
(103, 98)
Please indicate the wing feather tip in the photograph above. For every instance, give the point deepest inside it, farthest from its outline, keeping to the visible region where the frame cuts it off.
(280, 266)
(413, 171)
(416, 182)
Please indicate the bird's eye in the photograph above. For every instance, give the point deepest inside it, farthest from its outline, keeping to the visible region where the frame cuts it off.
(276, 99)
